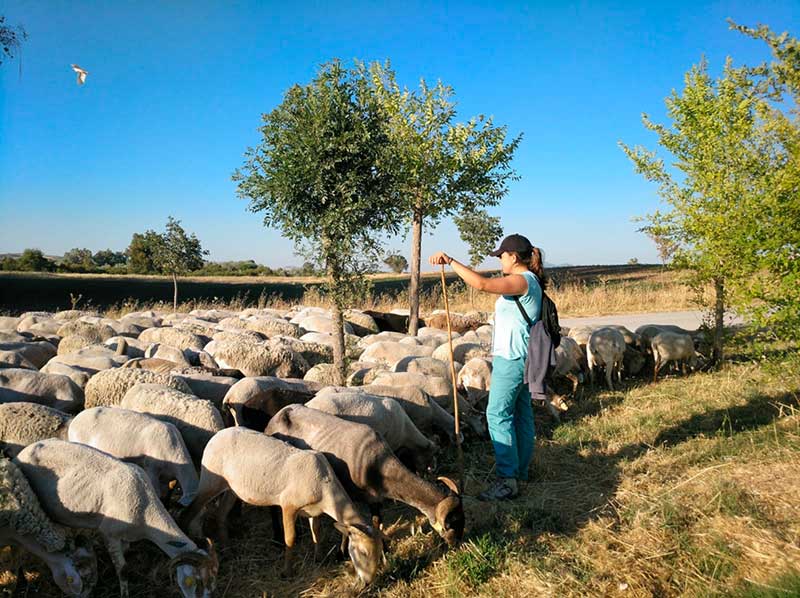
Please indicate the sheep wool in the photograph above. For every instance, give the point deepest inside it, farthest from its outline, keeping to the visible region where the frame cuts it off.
(107, 388)
(20, 510)
(22, 424)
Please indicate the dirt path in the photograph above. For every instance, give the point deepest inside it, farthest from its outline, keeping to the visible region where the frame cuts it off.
(685, 319)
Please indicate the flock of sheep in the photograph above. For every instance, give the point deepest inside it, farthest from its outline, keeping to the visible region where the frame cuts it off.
(101, 420)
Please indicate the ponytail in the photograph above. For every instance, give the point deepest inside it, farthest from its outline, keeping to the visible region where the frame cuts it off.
(536, 266)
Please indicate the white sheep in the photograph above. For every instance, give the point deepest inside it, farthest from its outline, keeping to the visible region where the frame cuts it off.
(253, 400)
(183, 339)
(108, 387)
(22, 424)
(606, 348)
(51, 390)
(81, 487)
(475, 379)
(673, 346)
(197, 419)
(390, 353)
(384, 415)
(265, 471)
(23, 523)
(250, 357)
(154, 445)
(37, 352)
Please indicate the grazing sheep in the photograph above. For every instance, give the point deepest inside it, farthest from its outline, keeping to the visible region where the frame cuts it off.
(169, 353)
(106, 389)
(581, 334)
(475, 378)
(198, 420)
(154, 445)
(673, 346)
(81, 487)
(631, 338)
(390, 353)
(151, 364)
(568, 363)
(606, 347)
(458, 322)
(75, 342)
(362, 323)
(77, 375)
(250, 357)
(168, 335)
(425, 365)
(31, 386)
(367, 468)
(209, 386)
(22, 424)
(9, 323)
(37, 352)
(386, 336)
(313, 353)
(463, 351)
(385, 416)
(322, 323)
(265, 471)
(253, 401)
(23, 523)
(271, 326)
(633, 361)
(81, 327)
(92, 359)
(427, 414)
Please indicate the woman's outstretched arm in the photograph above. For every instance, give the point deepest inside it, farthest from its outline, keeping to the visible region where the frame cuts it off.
(513, 284)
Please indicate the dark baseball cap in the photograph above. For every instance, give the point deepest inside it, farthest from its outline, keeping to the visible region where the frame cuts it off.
(514, 242)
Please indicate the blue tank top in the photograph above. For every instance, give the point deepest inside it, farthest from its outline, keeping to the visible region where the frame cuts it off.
(510, 334)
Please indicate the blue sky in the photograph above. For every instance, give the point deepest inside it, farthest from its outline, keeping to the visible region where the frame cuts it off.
(176, 89)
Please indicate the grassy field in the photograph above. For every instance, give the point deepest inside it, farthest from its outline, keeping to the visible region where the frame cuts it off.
(687, 487)
(579, 290)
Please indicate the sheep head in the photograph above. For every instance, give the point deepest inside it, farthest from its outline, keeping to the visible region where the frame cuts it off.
(365, 547)
(449, 515)
(196, 572)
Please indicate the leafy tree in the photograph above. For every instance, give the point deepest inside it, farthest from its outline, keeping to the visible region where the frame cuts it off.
(79, 257)
(320, 175)
(725, 159)
(441, 167)
(481, 232)
(33, 260)
(770, 297)
(396, 262)
(633, 261)
(142, 251)
(177, 254)
(10, 39)
(107, 257)
(665, 246)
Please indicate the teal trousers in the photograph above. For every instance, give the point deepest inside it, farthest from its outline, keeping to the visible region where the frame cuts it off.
(509, 415)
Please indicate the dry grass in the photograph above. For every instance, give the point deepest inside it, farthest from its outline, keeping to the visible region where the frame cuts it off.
(688, 487)
(653, 290)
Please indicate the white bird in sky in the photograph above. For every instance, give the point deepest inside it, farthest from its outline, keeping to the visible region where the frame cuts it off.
(81, 73)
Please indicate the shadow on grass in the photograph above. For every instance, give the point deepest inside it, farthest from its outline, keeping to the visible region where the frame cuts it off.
(759, 410)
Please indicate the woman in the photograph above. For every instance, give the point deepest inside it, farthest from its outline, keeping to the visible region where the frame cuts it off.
(509, 412)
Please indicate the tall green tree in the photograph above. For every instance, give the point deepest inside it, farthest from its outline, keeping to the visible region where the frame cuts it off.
(33, 260)
(177, 254)
(321, 175)
(442, 167)
(481, 232)
(723, 159)
(81, 258)
(771, 296)
(142, 251)
(108, 257)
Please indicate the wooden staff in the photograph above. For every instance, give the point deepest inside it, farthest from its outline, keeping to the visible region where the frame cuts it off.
(460, 453)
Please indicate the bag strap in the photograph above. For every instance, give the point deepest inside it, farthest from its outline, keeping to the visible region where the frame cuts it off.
(522, 311)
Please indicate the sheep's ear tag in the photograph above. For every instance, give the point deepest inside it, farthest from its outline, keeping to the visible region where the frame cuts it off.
(176, 544)
(188, 581)
(70, 580)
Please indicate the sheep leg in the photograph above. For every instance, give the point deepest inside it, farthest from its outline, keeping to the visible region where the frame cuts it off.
(656, 367)
(277, 527)
(289, 516)
(574, 380)
(117, 551)
(315, 523)
(227, 502)
(609, 373)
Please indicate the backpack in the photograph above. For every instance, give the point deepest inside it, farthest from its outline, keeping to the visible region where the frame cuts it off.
(549, 318)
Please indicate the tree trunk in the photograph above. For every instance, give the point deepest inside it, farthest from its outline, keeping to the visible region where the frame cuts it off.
(339, 371)
(719, 312)
(175, 295)
(413, 286)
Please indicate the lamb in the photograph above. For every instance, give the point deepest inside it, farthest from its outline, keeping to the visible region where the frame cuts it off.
(106, 389)
(385, 416)
(463, 351)
(673, 346)
(606, 347)
(197, 419)
(23, 523)
(265, 471)
(22, 424)
(475, 378)
(250, 357)
(154, 445)
(81, 487)
(253, 401)
(51, 390)
(570, 361)
(367, 468)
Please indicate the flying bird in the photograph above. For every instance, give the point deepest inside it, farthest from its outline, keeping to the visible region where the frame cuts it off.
(81, 73)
